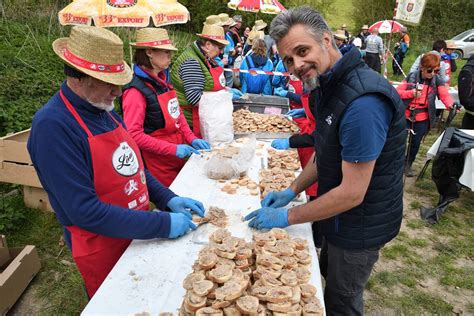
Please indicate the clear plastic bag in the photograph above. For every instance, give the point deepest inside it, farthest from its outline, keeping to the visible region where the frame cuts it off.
(220, 167)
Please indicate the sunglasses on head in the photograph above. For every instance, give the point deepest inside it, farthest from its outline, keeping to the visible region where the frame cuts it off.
(430, 70)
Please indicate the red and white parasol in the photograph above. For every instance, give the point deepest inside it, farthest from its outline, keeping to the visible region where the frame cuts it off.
(264, 6)
(385, 26)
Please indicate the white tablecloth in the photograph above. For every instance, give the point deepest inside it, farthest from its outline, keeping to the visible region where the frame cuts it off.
(148, 277)
(467, 177)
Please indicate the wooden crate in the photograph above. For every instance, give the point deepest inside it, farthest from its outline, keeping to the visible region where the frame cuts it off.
(16, 167)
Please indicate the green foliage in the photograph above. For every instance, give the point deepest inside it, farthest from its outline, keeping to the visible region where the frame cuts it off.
(11, 217)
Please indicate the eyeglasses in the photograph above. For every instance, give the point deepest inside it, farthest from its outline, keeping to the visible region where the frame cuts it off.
(429, 70)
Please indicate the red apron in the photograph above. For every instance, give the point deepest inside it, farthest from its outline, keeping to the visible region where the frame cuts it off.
(218, 78)
(305, 153)
(166, 167)
(119, 179)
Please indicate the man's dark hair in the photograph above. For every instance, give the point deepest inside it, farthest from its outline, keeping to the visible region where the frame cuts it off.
(72, 72)
(140, 58)
(438, 45)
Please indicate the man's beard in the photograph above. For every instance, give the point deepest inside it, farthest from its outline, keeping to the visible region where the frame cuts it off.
(310, 84)
(103, 106)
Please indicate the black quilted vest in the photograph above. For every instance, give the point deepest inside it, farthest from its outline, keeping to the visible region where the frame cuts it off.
(154, 118)
(377, 220)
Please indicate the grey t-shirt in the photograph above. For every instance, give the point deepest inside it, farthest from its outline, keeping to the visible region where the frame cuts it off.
(269, 43)
(374, 44)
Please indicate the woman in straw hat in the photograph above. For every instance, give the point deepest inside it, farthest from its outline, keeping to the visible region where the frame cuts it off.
(91, 167)
(151, 109)
(196, 71)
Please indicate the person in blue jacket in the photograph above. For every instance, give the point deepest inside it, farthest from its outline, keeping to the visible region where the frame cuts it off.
(256, 60)
(91, 167)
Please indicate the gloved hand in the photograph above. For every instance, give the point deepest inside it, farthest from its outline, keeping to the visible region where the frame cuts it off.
(180, 224)
(281, 143)
(296, 113)
(267, 218)
(200, 144)
(280, 92)
(186, 205)
(183, 151)
(278, 199)
(236, 94)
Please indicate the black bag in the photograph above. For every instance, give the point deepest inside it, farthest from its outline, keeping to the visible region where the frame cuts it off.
(466, 85)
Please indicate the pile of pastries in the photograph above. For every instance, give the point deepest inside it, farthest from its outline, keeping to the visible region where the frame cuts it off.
(284, 159)
(269, 276)
(251, 122)
(275, 179)
(215, 215)
(233, 185)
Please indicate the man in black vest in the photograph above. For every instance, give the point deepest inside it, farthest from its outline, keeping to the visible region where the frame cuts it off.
(360, 146)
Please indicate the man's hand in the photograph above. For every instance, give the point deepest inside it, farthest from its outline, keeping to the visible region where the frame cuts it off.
(186, 206)
(296, 113)
(278, 199)
(267, 218)
(281, 143)
(180, 225)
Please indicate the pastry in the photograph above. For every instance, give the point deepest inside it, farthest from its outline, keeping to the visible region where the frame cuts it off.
(207, 261)
(295, 310)
(296, 297)
(279, 307)
(243, 253)
(202, 288)
(209, 311)
(231, 311)
(221, 273)
(219, 235)
(279, 294)
(313, 310)
(301, 244)
(308, 290)
(193, 302)
(229, 291)
(279, 233)
(191, 278)
(289, 278)
(270, 280)
(247, 304)
(303, 257)
(303, 274)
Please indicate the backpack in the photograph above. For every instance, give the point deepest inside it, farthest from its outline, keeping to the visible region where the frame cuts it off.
(255, 83)
(466, 85)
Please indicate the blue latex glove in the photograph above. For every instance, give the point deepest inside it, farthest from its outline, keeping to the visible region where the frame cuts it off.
(267, 218)
(281, 143)
(200, 144)
(185, 206)
(278, 199)
(180, 224)
(296, 113)
(183, 151)
(236, 94)
(280, 92)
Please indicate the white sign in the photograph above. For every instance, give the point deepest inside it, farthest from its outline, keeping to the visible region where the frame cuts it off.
(125, 160)
(173, 108)
(410, 11)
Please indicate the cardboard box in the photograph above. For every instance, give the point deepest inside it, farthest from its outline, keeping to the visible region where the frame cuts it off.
(23, 265)
(16, 167)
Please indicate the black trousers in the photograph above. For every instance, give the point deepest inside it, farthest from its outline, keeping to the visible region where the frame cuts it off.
(398, 58)
(346, 273)
(420, 129)
(373, 61)
(467, 121)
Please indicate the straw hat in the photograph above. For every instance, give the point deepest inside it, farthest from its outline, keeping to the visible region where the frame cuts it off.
(450, 44)
(340, 34)
(259, 25)
(213, 20)
(237, 18)
(152, 37)
(226, 20)
(95, 51)
(365, 27)
(254, 35)
(214, 33)
(343, 26)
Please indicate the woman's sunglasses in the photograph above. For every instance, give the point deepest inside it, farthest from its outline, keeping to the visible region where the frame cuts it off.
(429, 70)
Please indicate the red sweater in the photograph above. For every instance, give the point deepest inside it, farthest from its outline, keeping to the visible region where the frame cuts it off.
(134, 108)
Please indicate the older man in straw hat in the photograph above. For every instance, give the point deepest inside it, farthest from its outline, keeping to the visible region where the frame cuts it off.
(360, 146)
(91, 167)
(364, 32)
(196, 71)
(340, 39)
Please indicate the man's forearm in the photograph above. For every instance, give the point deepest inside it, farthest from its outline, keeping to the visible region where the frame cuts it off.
(306, 178)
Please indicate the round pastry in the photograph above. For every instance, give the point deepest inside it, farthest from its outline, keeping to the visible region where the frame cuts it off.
(261, 270)
(310, 300)
(279, 233)
(312, 310)
(279, 307)
(217, 304)
(303, 257)
(221, 273)
(219, 235)
(295, 310)
(242, 264)
(231, 311)
(225, 251)
(247, 304)
(193, 302)
(263, 239)
(279, 294)
(231, 242)
(251, 186)
(303, 275)
(289, 263)
(207, 261)
(284, 248)
(300, 243)
(260, 292)
(202, 288)
(254, 192)
(225, 262)
(243, 253)
(289, 278)
(308, 290)
(243, 182)
(229, 291)
(234, 181)
(191, 278)
(270, 280)
(209, 311)
(296, 297)
(269, 261)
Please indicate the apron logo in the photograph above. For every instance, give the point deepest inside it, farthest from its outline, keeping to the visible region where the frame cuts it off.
(132, 204)
(329, 119)
(173, 108)
(142, 176)
(291, 88)
(222, 79)
(130, 187)
(125, 160)
(142, 198)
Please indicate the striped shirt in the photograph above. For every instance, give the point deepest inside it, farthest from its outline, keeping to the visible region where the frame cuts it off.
(191, 74)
